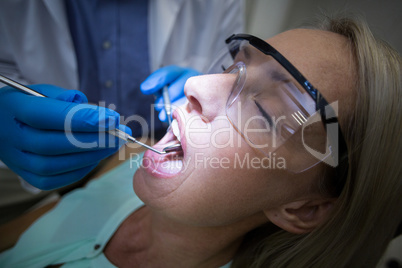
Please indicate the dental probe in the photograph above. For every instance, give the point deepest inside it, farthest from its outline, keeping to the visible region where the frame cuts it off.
(115, 132)
(167, 104)
(124, 136)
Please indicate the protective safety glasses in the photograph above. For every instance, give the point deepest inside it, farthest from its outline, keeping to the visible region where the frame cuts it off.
(275, 109)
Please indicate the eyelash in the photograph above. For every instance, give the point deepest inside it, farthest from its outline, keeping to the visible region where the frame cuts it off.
(264, 114)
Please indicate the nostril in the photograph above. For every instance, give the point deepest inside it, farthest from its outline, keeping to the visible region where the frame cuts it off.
(194, 104)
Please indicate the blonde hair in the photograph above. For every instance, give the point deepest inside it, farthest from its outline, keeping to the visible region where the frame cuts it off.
(369, 207)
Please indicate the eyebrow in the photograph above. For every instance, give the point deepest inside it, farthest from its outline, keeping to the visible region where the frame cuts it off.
(273, 74)
(279, 76)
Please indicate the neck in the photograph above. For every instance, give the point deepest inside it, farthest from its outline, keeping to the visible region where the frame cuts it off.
(147, 237)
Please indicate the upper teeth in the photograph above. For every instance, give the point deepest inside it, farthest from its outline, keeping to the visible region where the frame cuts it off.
(175, 128)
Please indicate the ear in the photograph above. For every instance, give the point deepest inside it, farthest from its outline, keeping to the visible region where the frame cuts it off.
(301, 216)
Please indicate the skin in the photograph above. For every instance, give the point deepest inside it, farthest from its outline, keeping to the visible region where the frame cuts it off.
(198, 217)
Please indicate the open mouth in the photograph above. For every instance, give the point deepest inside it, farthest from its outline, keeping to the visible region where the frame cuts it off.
(174, 146)
(169, 164)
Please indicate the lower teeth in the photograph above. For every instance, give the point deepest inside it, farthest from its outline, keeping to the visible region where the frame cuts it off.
(172, 167)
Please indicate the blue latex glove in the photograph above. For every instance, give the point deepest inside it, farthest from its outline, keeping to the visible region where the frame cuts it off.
(33, 141)
(173, 76)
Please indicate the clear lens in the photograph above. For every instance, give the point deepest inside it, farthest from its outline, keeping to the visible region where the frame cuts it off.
(270, 109)
(239, 69)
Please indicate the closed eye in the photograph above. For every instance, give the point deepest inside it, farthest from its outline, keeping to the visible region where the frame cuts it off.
(264, 114)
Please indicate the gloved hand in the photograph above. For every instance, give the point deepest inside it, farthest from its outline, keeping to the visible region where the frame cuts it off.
(34, 143)
(173, 76)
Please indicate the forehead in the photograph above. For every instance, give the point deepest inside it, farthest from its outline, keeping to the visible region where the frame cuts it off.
(324, 58)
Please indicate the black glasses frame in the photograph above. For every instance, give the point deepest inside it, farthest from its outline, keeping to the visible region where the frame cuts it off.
(267, 49)
(320, 101)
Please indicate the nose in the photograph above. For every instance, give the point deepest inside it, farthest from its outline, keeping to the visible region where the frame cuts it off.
(207, 94)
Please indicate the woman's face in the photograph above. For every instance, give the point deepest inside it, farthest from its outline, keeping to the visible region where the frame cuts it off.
(219, 178)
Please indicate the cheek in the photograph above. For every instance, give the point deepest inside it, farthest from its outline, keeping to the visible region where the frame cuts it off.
(228, 181)
(221, 191)
(200, 134)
